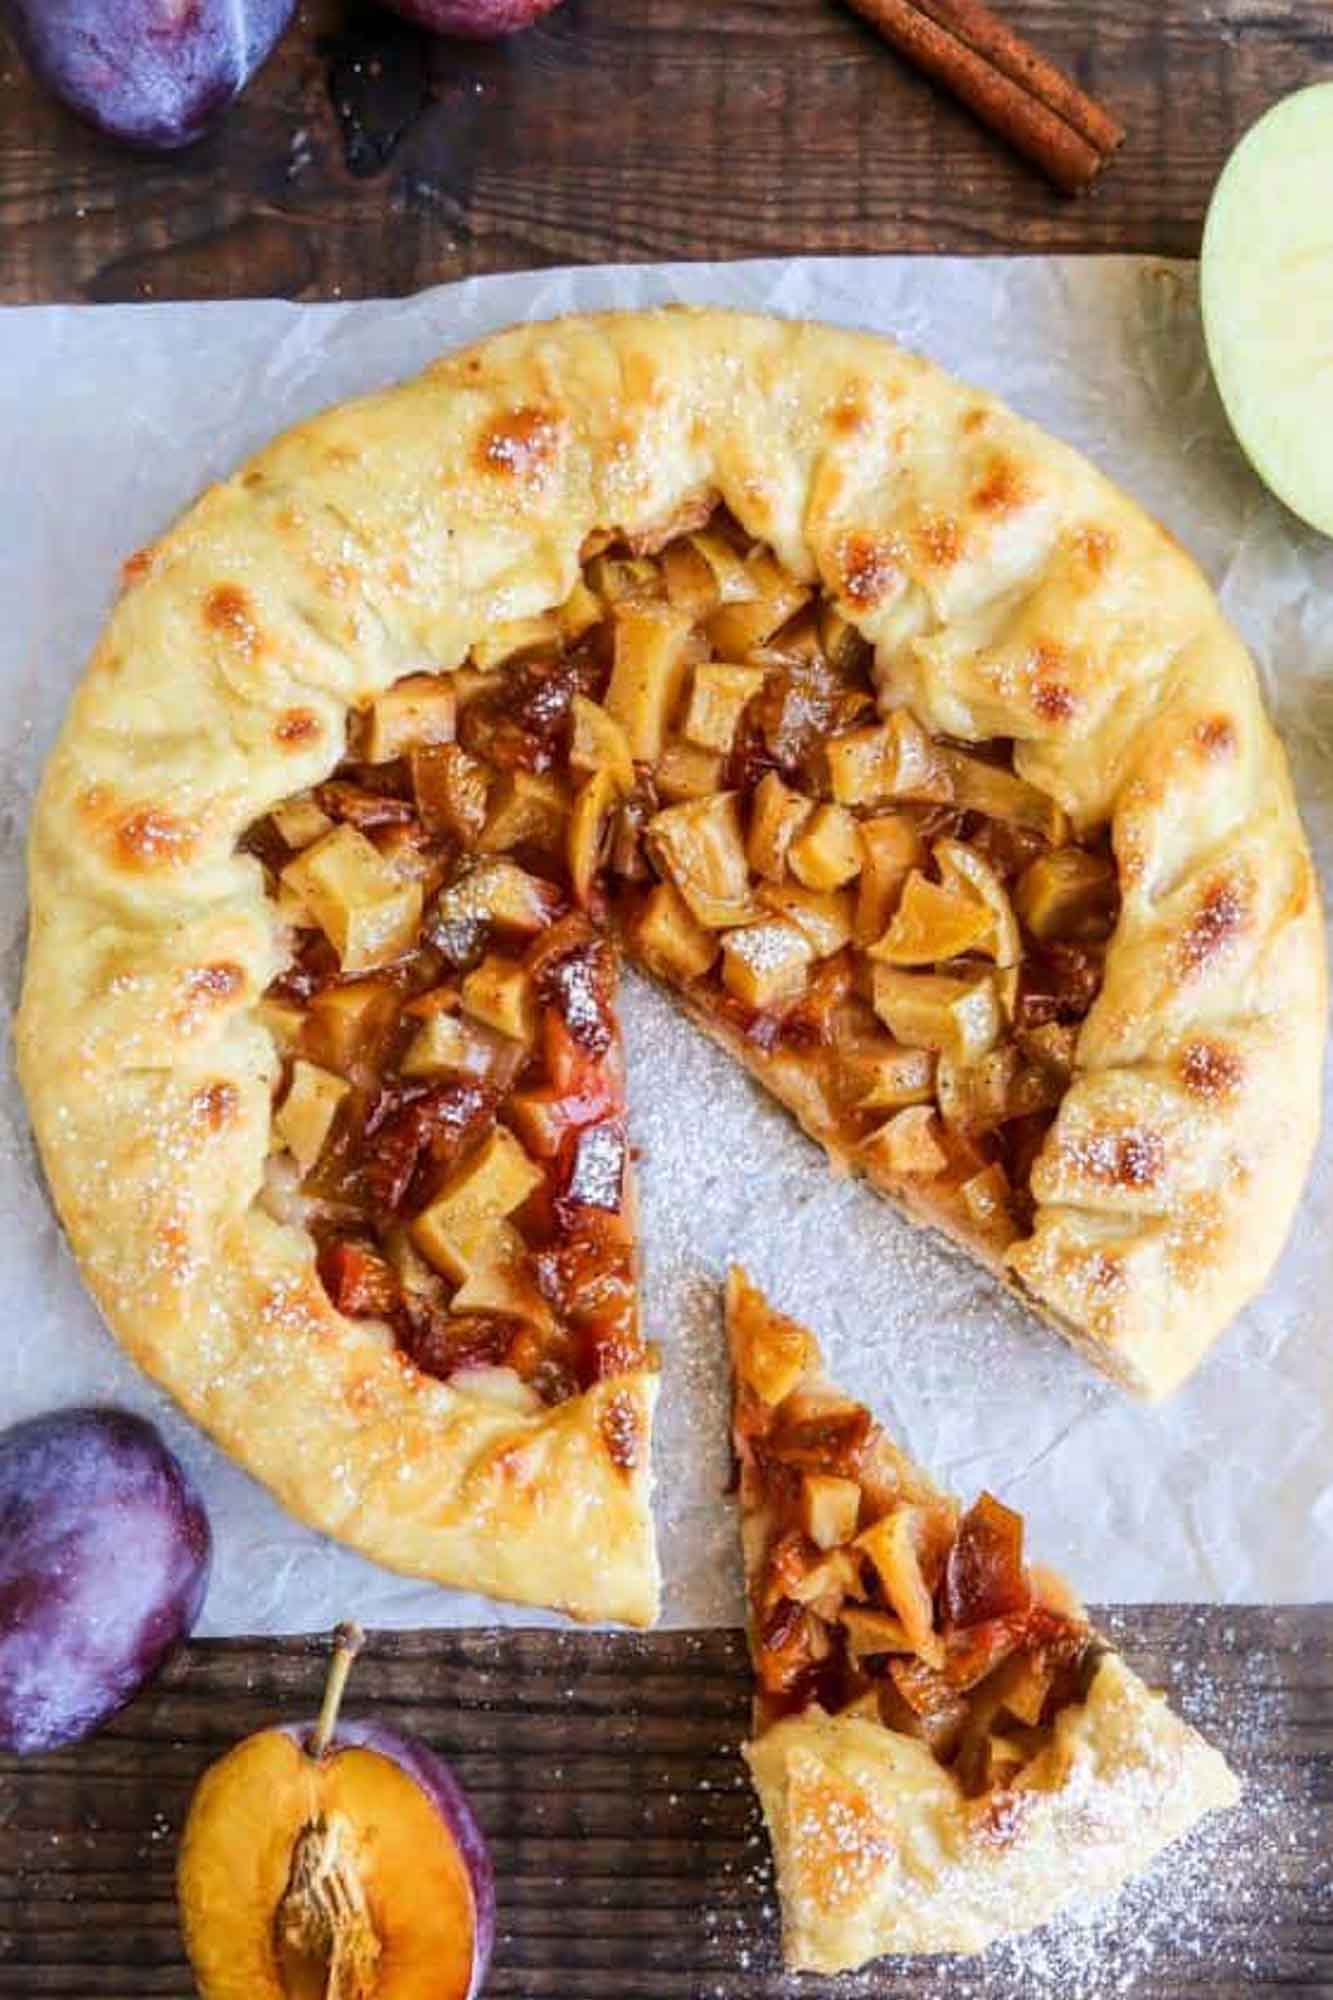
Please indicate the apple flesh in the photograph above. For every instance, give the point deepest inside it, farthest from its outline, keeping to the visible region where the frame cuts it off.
(154, 73)
(474, 20)
(104, 1560)
(1266, 283)
(335, 1858)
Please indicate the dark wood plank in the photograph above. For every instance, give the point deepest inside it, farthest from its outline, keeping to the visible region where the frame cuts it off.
(630, 1856)
(368, 158)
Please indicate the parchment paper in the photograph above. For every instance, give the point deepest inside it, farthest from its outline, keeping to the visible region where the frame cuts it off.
(111, 419)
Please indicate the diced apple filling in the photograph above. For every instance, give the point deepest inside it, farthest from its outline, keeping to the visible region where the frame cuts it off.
(689, 748)
(826, 852)
(670, 937)
(956, 1015)
(701, 848)
(766, 962)
(306, 1115)
(410, 715)
(369, 916)
(776, 815)
(648, 679)
(499, 994)
(496, 1179)
(932, 923)
(598, 743)
(887, 761)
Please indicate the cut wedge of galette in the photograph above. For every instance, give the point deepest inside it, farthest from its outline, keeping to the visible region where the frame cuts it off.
(946, 1751)
(914, 759)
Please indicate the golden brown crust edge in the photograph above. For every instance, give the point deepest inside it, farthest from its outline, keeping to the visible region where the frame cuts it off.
(386, 534)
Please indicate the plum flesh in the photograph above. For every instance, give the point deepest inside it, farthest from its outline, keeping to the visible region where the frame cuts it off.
(154, 73)
(104, 1560)
(326, 1857)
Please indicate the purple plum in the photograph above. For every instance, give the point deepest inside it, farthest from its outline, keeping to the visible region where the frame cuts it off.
(155, 73)
(473, 20)
(104, 1558)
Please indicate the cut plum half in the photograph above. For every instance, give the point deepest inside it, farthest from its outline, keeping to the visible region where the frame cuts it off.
(332, 1858)
(1267, 292)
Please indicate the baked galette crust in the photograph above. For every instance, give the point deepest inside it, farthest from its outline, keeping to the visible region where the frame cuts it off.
(877, 1850)
(1009, 591)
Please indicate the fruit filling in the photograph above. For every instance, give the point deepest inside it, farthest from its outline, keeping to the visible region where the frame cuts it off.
(688, 757)
(871, 1593)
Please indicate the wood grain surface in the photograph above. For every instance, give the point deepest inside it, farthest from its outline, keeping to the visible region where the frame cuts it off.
(631, 1860)
(367, 159)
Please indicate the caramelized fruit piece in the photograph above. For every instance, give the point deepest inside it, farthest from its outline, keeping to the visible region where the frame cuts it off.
(767, 962)
(104, 1558)
(305, 1117)
(776, 815)
(301, 821)
(907, 1144)
(684, 771)
(350, 1025)
(368, 915)
(699, 846)
(671, 939)
(956, 1015)
(980, 787)
(826, 852)
(983, 1576)
(904, 1548)
(411, 714)
(717, 698)
(932, 923)
(648, 678)
(891, 847)
(451, 790)
(496, 1179)
(829, 1508)
(1066, 894)
(527, 809)
(887, 761)
(741, 624)
(824, 916)
(334, 1859)
(599, 743)
(498, 993)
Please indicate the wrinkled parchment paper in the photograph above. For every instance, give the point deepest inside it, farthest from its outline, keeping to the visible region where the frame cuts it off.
(111, 418)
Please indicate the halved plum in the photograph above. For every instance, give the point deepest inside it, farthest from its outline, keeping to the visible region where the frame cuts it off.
(104, 1558)
(335, 1858)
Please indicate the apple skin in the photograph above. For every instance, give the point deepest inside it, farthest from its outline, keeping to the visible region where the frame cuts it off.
(151, 73)
(105, 1551)
(432, 1776)
(473, 20)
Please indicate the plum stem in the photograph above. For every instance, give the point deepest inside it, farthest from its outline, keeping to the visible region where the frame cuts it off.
(348, 1639)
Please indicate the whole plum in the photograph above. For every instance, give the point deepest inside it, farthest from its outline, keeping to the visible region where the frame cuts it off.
(474, 20)
(154, 73)
(104, 1558)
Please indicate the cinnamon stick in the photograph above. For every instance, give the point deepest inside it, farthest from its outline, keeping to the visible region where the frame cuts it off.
(1004, 82)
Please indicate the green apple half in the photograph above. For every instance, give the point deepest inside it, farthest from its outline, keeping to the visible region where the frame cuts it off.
(1267, 292)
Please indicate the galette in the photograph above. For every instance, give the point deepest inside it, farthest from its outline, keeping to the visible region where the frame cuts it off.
(917, 761)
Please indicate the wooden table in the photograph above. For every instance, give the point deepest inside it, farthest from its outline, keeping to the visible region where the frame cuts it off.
(365, 160)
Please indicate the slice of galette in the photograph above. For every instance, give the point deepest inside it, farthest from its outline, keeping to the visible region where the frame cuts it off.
(946, 1751)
